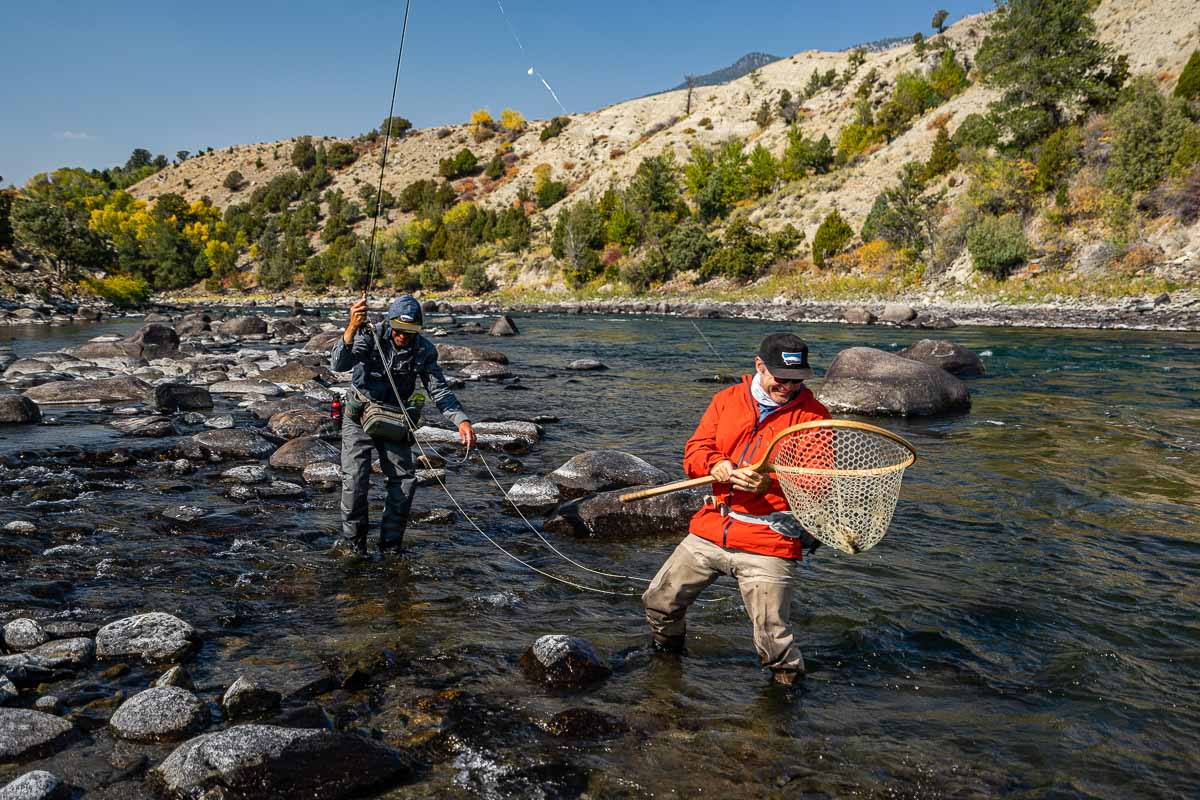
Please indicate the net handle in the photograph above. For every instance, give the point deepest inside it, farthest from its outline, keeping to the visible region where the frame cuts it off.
(763, 466)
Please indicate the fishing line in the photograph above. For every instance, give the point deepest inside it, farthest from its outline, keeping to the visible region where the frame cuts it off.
(531, 71)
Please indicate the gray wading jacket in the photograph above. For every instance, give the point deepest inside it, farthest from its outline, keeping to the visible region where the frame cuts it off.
(418, 360)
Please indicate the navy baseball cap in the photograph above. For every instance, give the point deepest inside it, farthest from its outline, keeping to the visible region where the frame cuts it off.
(786, 356)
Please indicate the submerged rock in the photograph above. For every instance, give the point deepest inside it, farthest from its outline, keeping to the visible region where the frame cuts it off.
(429, 435)
(298, 422)
(460, 354)
(586, 365)
(36, 785)
(485, 371)
(324, 474)
(535, 492)
(155, 427)
(154, 637)
(564, 662)
(27, 734)
(101, 390)
(250, 473)
(864, 380)
(602, 470)
(172, 397)
(248, 698)
(159, 714)
(954, 358)
(63, 653)
(585, 723)
(221, 444)
(266, 762)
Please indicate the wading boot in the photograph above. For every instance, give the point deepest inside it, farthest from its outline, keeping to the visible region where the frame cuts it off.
(668, 645)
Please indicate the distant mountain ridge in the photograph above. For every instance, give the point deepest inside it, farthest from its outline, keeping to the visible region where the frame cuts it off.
(740, 68)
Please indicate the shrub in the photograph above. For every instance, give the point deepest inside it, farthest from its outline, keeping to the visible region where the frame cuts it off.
(949, 77)
(464, 163)
(1146, 132)
(511, 120)
(997, 244)
(1055, 156)
(483, 127)
(803, 155)
(123, 291)
(304, 155)
(853, 140)
(340, 154)
(395, 126)
(475, 280)
(975, 131)
(763, 116)
(431, 278)
(1182, 201)
(743, 253)
(642, 274)
(1001, 185)
(943, 158)
(1188, 153)
(550, 192)
(554, 128)
(234, 181)
(495, 168)
(833, 234)
(687, 246)
(1188, 86)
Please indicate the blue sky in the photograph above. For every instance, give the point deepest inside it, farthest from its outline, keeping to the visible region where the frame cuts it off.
(82, 84)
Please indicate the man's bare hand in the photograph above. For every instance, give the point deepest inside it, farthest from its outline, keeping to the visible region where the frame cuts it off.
(748, 480)
(722, 470)
(358, 318)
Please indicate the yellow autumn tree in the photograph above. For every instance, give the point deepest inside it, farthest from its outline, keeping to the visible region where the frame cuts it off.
(483, 127)
(512, 120)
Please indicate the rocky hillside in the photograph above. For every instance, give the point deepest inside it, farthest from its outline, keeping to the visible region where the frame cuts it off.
(604, 147)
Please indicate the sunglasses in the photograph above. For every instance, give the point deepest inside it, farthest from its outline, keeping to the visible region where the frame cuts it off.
(786, 381)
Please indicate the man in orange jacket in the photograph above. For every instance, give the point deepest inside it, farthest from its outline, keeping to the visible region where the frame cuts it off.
(743, 530)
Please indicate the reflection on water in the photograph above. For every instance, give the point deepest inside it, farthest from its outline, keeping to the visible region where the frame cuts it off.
(1028, 627)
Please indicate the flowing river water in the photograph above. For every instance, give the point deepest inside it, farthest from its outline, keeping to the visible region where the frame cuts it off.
(1028, 628)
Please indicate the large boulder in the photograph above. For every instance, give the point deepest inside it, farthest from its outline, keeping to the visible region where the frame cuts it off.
(154, 637)
(227, 443)
(897, 313)
(17, 409)
(243, 326)
(461, 354)
(857, 315)
(564, 662)
(954, 358)
(36, 785)
(172, 397)
(864, 380)
(159, 714)
(503, 326)
(24, 633)
(602, 470)
(299, 453)
(101, 390)
(301, 422)
(265, 762)
(155, 341)
(604, 516)
(27, 734)
(322, 342)
(429, 435)
(107, 349)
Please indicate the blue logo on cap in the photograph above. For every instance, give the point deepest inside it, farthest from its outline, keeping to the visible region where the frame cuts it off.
(792, 359)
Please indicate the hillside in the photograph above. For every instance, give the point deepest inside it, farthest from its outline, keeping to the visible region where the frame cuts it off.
(740, 68)
(603, 148)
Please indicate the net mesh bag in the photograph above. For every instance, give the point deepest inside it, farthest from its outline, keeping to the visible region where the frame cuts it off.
(842, 483)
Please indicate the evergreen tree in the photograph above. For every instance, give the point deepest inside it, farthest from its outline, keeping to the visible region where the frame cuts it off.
(763, 171)
(1044, 58)
(943, 158)
(831, 237)
(939, 20)
(655, 186)
(903, 215)
(1188, 86)
(6, 231)
(304, 155)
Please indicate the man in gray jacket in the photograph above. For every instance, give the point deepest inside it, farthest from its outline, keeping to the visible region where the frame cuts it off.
(408, 357)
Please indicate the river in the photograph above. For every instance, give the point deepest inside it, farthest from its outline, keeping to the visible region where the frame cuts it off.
(1028, 628)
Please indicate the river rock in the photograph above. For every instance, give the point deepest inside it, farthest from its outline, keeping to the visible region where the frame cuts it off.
(71, 628)
(184, 513)
(159, 714)
(249, 386)
(531, 432)
(8, 690)
(503, 326)
(36, 785)
(220, 422)
(300, 452)
(105, 349)
(897, 313)
(26, 734)
(429, 435)
(172, 397)
(585, 723)
(243, 326)
(461, 354)
(246, 698)
(954, 358)
(21, 527)
(564, 662)
(265, 409)
(276, 490)
(301, 422)
(48, 704)
(296, 374)
(101, 390)
(24, 633)
(323, 474)
(27, 366)
(604, 516)
(154, 637)
(221, 444)
(176, 676)
(285, 328)
(485, 371)
(155, 341)
(155, 426)
(17, 409)
(586, 365)
(864, 380)
(857, 315)
(250, 473)
(322, 342)
(63, 653)
(266, 762)
(602, 470)
(192, 327)
(534, 492)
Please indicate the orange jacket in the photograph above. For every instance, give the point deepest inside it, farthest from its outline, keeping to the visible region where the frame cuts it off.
(730, 429)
